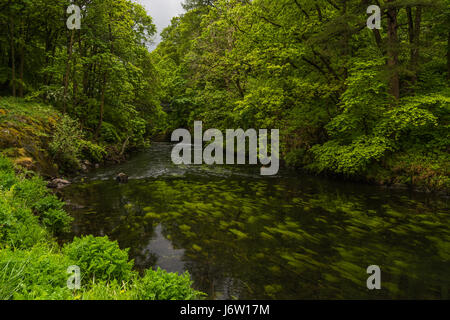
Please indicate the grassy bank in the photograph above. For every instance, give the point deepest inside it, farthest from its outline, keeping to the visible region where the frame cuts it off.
(39, 138)
(34, 266)
(26, 131)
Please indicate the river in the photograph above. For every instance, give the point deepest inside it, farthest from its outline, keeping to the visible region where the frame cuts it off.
(243, 236)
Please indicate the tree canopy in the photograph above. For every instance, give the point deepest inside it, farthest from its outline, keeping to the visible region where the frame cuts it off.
(346, 98)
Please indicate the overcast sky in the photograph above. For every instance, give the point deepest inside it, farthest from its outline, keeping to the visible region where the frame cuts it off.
(162, 12)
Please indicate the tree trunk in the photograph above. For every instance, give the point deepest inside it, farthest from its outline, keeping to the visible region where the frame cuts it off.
(22, 58)
(392, 50)
(346, 39)
(105, 77)
(414, 28)
(102, 106)
(22, 62)
(448, 57)
(66, 78)
(13, 59)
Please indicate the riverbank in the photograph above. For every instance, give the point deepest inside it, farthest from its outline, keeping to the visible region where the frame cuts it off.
(33, 266)
(36, 141)
(37, 137)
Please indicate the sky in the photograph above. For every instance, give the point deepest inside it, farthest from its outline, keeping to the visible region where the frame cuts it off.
(162, 12)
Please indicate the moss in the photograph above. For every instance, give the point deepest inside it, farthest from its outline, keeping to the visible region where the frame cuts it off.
(25, 162)
(25, 133)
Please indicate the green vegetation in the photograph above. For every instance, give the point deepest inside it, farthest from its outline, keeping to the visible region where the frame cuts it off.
(26, 131)
(33, 266)
(37, 137)
(100, 258)
(350, 101)
(101, 76)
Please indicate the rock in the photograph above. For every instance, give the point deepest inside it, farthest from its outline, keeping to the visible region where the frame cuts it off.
(97, 166)
(84, 168)
(58, 183)
(122, 178)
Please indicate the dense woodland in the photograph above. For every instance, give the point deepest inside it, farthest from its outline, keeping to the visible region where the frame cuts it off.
(102, 75)
(348, 100)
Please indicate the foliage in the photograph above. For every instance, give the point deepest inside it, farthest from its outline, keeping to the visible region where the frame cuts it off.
(46, 206)
(28, 209)
(19, 227)
(161, 285)
(92, 152)
(99, 258)
(154, 285)
(346, 99)
(351, 159)
(66, 146)
(101, 73)
(33, 267)
(36, 274)
(112, 290)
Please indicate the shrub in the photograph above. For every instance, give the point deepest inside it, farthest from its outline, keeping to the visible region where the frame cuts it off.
(109, 133)
(7, 180)
(56, 221)
(6, 165)
(108, 291)
(31, 191)
(11, 279)
(353, 159)
(52, 215)
(35, 274)
(155, 285)
(161, 285)
(99, 259)
(92, 151)
(7, 175)
(66, 145)
(45, 205)
(18, 226)
(49, 202)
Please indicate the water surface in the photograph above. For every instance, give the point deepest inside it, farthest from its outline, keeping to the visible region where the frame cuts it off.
(243, 236)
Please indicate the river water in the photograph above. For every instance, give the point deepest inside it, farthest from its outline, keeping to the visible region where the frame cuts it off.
(243, 236)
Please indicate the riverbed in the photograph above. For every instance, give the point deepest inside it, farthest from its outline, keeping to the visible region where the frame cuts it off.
(244, 236)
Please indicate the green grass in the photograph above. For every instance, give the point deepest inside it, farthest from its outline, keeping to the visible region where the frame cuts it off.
(19, 107)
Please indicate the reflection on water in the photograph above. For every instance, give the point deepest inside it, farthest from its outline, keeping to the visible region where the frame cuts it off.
(289, 237)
